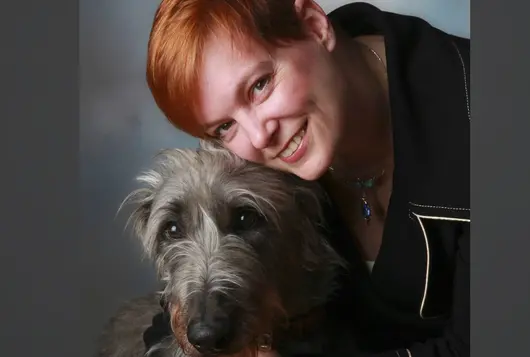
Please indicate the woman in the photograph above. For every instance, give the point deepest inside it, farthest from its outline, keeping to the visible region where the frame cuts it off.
(373, 104)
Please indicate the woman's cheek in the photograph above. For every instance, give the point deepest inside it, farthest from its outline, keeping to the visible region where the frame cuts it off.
(242, 147)
(288, 99)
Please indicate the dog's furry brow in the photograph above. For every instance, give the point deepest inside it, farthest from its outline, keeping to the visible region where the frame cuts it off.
(172, 207)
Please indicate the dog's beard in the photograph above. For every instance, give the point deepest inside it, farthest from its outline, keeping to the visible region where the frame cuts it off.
(228, 267)
(253, 325)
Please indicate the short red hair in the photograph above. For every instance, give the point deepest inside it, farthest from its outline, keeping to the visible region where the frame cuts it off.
(179, 32)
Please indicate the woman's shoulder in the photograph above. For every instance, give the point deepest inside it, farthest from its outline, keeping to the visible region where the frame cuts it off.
(364, 18)
(428, 73)
(405, 35)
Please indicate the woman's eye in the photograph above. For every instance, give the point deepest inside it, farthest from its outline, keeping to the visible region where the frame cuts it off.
(260, 85)
(223, 128)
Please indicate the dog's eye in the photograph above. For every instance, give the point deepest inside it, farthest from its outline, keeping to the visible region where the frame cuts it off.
(171, 230)
(245, 219)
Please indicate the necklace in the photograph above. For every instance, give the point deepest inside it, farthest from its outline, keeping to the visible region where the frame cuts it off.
(363, 185)
(369, 183)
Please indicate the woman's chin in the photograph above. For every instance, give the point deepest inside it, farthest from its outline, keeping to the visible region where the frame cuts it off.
(311, 172)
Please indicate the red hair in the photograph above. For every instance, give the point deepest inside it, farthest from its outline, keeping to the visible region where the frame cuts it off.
(176, 43)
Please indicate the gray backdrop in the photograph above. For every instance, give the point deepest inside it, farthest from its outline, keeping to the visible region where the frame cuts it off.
(121, 128)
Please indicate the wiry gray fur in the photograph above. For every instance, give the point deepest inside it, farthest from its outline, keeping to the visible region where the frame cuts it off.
(190, 216)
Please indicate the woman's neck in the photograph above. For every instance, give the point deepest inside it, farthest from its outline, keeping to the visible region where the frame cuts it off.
(366, 146)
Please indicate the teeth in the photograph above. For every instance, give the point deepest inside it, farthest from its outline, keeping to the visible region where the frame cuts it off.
(293, 145)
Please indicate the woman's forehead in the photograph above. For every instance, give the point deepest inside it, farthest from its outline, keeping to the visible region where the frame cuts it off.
(221, 49)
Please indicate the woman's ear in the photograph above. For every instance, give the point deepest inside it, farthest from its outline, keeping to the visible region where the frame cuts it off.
(316, 22)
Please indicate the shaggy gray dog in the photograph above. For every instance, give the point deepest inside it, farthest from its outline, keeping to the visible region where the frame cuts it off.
(241, 250)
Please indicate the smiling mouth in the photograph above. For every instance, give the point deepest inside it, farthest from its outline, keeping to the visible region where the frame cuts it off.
(294, 144)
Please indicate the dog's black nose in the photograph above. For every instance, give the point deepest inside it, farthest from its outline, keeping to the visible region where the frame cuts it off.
(208, 338)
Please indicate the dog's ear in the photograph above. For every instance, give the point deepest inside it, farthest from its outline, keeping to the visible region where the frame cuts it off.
(141, 200)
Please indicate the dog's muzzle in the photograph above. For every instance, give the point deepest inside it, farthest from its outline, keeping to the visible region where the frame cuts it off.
(211, 328)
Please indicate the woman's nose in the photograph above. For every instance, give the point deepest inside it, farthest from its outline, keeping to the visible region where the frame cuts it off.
(259, 129)
(262, 134)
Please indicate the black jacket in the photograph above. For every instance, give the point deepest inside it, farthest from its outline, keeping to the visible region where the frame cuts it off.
(415, 303)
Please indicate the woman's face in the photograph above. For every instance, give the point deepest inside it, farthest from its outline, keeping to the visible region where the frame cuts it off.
(282, 107)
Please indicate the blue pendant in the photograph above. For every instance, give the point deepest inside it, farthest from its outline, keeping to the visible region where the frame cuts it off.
(366, 209)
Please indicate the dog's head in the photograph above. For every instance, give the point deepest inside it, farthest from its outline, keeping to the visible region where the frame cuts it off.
(239, 246)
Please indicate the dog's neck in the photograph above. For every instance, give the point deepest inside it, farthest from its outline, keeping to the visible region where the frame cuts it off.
(306, 330)
(301, 324)
(315, 289)
(304, 334)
